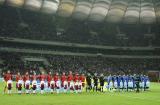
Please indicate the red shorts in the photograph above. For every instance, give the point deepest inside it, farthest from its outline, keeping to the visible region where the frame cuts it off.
(76, 87)
(27, 86)
(34, 87)
(52, 86)
(48, 84)
(20, 87)
(9, 86)
(65, 87)
(71, 88)
(42, 86)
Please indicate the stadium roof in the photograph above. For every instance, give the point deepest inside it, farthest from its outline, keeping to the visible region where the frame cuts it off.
(112, 11)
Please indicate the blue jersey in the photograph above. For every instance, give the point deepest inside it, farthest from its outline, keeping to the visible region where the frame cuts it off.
(109, 79)
(119, 80)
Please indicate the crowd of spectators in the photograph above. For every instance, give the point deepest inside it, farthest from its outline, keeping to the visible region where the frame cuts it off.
(81, 64)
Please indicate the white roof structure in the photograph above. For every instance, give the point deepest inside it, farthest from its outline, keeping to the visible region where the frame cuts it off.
(112, 11)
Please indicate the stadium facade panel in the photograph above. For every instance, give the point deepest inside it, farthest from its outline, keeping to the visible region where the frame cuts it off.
(132, 13)
(82, 10)
(157, 10)
(50, 6)
(66, 8)
(117, 11)
(99, 10)
(112, 11)
(147, 15)
(2, 1)
(33, 5)
(15, 3)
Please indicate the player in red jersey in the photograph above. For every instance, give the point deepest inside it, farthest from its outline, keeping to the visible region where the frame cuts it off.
(42, 86)
(63, 78)
(19, 85)
(56, 76)
(42, 77)
(7, 77)
(82, 79)
(70, 77)
(25, 78)
(34, 76)
(76, 77)
(49, 78)
(9, 85)
(18, 76)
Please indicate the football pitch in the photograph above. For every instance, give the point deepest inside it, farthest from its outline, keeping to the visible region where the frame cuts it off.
(151, 97)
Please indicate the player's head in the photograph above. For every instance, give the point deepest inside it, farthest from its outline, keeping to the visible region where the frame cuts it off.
(88, 74)
(101, 74)
(27, 73)
(95, 74)
(70, 72)
(8, 71)
(34, 73)
(42, 72)
(18, 73)
(50, 73)
(56, 73)
(63, 73)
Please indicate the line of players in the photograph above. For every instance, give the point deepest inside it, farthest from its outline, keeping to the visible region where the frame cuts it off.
(55, 83)
(128, 82)
(117, 83)
(76, 83)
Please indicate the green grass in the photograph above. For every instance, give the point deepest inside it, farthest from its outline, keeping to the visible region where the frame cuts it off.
(151, 97)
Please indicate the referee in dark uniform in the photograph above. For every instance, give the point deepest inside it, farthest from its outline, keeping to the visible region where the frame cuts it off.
(88, 80)
(95, 79)
(137, 82)
(102, 80)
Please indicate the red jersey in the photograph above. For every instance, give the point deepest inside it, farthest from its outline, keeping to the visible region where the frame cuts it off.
(7, 77)
(70, 77)
(63, 78)
(42, 77)
(26, 77)
(82, 78)
(76, 78)
(55, 78)
(49, 77)
(33, 77)
(17, 78)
